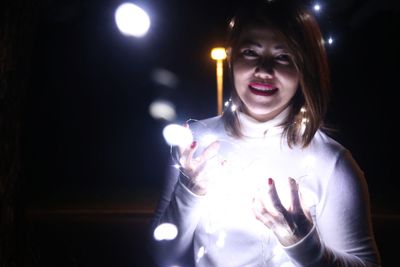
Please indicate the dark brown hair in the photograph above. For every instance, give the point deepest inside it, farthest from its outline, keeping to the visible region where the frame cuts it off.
(300, 30)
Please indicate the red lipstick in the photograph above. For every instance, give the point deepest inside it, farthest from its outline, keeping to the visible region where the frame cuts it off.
(263, 89)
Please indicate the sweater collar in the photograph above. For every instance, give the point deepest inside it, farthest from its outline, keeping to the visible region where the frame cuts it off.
(251, 128)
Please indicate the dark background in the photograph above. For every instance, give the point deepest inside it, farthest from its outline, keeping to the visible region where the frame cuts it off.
(93, 154)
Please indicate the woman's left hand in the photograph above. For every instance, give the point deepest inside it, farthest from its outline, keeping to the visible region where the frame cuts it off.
(289, 225)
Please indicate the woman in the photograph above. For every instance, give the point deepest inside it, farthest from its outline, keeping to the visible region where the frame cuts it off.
(273, 189)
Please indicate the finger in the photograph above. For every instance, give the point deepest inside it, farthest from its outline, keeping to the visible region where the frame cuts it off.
(276, 202)
(192, 149)
(294, 194)
(187, 155)
(261, 213)
(257, 204)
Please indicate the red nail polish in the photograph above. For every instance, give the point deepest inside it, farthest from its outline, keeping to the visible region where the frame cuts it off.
(270, 181)
(193, 144)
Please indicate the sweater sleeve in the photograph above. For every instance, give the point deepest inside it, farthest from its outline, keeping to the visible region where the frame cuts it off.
(343, 234)
(180, 207)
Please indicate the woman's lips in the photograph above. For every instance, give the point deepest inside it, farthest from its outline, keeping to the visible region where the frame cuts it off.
(263, 89)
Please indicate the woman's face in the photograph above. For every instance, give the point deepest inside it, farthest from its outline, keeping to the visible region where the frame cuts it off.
(264, 73)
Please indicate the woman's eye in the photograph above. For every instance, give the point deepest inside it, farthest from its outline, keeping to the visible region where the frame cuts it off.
(283, 58)
(249, 53)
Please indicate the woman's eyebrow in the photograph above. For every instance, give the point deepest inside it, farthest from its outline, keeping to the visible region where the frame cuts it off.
(280, 47)
(249, 42)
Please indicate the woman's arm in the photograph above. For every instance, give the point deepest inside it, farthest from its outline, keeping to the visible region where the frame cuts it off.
(182, 208)
(343, 234)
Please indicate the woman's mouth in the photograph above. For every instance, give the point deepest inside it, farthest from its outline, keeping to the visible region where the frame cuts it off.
(263, 89)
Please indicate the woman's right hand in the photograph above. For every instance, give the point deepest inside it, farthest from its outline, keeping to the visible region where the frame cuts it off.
(192, 168)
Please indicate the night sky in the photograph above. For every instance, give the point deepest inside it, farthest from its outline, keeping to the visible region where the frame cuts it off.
(89, 136)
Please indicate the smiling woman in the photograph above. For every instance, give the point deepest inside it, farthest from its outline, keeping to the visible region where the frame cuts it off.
(263, 68)
(274, 189)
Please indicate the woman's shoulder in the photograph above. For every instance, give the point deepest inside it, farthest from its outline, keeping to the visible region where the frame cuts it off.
(330, 154)
(324, 144)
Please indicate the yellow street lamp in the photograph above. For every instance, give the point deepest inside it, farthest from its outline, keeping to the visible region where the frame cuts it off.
(219, 54)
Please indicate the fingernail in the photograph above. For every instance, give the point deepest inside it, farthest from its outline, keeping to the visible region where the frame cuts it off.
(194, 143)
(270, 181)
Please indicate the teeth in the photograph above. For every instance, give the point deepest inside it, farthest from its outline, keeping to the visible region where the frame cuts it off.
(262, 88)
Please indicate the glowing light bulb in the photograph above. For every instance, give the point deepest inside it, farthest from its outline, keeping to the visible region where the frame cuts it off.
(304, 120)
(162, 109)
(177, 135)
(132, 20)
(200, 253)
(165, 231)
(218, 53)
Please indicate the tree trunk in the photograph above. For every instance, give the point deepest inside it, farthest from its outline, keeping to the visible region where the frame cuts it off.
(18, 19)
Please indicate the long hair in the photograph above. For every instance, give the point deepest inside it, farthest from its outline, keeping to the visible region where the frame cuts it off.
(297, 26)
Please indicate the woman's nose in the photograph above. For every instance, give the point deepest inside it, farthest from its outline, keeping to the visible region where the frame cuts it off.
(264, 68)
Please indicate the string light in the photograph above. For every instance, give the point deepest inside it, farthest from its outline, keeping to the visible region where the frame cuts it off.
(177, 135)
(317, 9)
(165, 231)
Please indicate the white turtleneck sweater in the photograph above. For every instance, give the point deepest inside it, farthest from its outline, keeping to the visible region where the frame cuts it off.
(220, 229)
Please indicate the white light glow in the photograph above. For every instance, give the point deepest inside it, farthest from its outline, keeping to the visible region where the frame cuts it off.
(309, 161)
(165, 77)
(221, 239)
(132, 20)
(162, 109)
(165, 231)
(177, 135)
(218, 53)
(200, 253)
(208, 139)
(317, 7)
(176, 166)
(278, 251)
(330, 40)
